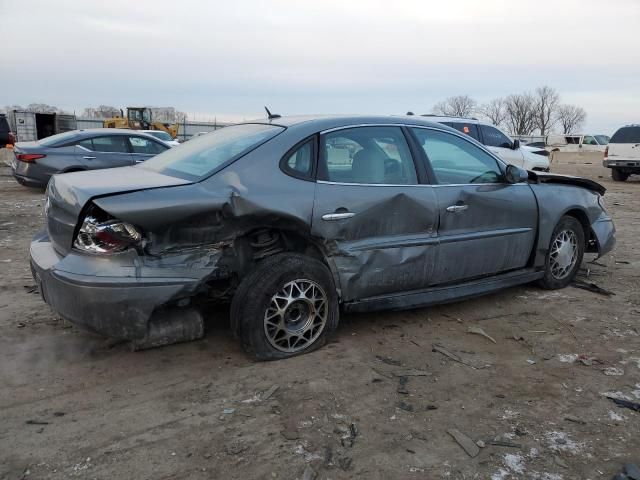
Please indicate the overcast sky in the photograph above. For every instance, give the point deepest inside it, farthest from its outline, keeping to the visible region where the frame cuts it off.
(229, 58)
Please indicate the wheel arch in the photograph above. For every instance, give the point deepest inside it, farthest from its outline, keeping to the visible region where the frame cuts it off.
(582, 217)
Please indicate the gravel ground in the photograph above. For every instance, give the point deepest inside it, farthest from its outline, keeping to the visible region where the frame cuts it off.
(376, 402)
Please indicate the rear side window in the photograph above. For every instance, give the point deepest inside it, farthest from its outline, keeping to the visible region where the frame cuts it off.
(589, 140)
(109, 144)
(367, 155)
(145, 146)
(299, 163)
(494, 137)
(626, 135)
(203, 155)
(470, 129)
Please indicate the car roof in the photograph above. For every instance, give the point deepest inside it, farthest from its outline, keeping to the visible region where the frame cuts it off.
(333, 121)
(449, 118)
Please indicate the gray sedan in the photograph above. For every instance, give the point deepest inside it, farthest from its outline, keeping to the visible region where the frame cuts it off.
(35, 162)
(293, 220)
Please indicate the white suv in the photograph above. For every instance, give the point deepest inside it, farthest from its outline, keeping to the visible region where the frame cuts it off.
(509, 150)
(622, 155)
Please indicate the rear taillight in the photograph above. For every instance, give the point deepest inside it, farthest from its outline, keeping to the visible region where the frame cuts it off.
(101, 233)
(606, 152)
(12, 139)
(29, 157)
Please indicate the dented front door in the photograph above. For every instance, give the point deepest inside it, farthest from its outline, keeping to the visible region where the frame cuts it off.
(378, 221)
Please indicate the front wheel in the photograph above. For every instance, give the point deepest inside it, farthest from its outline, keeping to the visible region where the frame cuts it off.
(287, 306)
(565, 253)
(618, 175)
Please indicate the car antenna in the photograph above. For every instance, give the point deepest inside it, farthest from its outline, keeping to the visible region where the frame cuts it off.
(270, 115)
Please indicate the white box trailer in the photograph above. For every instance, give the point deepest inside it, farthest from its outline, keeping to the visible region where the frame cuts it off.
(32, 126)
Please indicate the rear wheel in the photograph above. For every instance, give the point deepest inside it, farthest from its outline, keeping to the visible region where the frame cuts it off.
(287, 306)
(565, 253)
(618, 175)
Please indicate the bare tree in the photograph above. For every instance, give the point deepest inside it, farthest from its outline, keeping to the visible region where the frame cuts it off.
(520, 113)
(547, 102)
(43, 108)
(103, 111)
(571, 117)
(458, 106)
(495, 111)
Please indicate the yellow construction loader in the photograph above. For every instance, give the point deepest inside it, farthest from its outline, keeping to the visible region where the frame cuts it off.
(140, 118)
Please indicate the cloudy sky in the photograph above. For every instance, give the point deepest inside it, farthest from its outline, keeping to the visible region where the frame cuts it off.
(229, 58)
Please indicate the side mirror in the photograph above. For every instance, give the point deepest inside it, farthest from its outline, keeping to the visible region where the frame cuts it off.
(516, 144)
(515, 174)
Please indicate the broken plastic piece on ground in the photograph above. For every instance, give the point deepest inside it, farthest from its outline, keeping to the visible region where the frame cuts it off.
(591, 287)
(625, 403)
(465, 442)
(479, 331)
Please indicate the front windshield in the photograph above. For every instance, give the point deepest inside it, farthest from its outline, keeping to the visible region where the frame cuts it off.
(602, 139)
(59, 138)
(161, 135)
(201, 156)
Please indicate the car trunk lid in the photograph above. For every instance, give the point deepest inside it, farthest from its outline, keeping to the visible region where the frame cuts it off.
(69, 193)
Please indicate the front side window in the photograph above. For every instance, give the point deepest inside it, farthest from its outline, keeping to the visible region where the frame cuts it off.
(602, 139)
(108, 144)
(367, 155)
(494, 137)
(145, 146)
(455, 160)
(589, 140)
(200, 157)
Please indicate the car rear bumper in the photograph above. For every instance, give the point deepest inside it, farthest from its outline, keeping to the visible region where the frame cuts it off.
(29, 182)
(119, 306)
(631, 164)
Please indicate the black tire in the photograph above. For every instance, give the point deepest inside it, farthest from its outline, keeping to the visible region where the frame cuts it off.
(618, 175)
(254, 297)
(551, 281)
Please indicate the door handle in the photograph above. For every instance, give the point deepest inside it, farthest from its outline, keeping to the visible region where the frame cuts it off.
(337, 216)
(88, 157)
(457, 208)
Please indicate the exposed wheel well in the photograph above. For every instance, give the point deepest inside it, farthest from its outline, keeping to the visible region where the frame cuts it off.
(590, 239)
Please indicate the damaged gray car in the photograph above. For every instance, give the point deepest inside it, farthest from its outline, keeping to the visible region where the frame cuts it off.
(294, 220)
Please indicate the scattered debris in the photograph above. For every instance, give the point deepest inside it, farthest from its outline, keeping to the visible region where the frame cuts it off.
(616, 417)
(407, 407)
(479, 331)
(613, 372)
(345, 463)
(30, 288)
(481, 444)
(575, 420)
(309, 473)
(560, 462)
(389, 361)
(440, 349)
(625, 403)
(591, 287)
(228, 411)
(266, 395)
(412, 372)
(629, 472)
(36, 422)
(402, 386)
(465, 442)
(496, 442)
(349, 438)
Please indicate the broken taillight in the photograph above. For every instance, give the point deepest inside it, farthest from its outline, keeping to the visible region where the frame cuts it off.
(29, 157)
(101, 233)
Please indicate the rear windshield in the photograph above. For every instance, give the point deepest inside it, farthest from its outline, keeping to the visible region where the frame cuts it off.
(202, 156)
(626, 135)
(602, 139)
(54, 140)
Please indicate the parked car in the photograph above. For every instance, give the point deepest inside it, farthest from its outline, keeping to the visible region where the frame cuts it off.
(622, 155)
(35, 162)
(577, 142)
(163, 136)
(6, 135)
(267, 215)
(509, 150)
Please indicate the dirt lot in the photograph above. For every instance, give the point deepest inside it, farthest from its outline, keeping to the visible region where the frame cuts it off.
(377, 402)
